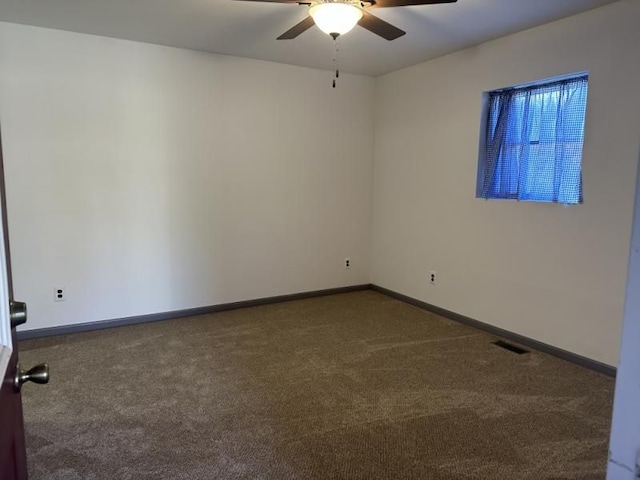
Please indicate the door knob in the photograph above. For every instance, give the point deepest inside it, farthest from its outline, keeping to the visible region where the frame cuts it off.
(37, 374)
(17, 313)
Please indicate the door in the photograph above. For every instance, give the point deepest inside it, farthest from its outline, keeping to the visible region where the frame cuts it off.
(13, 465)
(624, 449)
(12, 449)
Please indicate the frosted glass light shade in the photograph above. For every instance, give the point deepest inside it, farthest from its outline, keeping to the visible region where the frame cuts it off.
(335, 18)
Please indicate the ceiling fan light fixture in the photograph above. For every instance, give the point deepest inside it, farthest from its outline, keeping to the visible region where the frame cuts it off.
(335, 18)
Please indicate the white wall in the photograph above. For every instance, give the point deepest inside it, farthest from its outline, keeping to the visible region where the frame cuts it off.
(148, 179)
(556, 274)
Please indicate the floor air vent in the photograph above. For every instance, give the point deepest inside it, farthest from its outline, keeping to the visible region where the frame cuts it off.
(510, 347)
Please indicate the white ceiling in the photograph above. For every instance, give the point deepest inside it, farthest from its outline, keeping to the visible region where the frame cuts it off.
(249, 29)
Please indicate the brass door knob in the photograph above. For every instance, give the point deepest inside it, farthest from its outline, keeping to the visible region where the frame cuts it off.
(37, 374)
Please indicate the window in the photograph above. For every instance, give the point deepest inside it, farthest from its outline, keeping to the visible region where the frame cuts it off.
(531, 143)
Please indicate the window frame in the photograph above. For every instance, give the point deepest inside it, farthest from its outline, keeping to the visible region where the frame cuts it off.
(485, 123)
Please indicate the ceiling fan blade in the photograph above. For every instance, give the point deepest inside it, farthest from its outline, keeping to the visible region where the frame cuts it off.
(380, 27)
(405, 3)
(276, 1)
(296, 30)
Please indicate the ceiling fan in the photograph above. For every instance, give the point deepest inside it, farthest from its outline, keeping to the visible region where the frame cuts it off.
(336, 17)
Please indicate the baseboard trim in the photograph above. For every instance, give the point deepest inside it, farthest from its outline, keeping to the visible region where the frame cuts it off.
(189, 312)
(500, 332)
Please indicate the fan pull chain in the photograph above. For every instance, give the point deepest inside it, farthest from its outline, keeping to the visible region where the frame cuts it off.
(335, 61)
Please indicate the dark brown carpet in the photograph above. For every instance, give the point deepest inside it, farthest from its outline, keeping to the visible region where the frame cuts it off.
(352, 386)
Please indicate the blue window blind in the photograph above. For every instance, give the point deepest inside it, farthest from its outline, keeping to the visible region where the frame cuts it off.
(532, 147)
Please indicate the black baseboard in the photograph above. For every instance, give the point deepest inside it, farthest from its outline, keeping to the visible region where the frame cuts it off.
(189, 312)
(529, 342)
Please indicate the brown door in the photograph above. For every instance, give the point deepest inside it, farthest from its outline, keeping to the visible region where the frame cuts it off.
(13, 465)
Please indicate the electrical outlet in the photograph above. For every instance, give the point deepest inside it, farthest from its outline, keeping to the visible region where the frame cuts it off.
(432, 277)
(59, 294)
(347, 263)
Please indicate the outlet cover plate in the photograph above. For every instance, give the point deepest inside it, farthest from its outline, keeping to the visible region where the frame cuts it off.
(59, 294)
